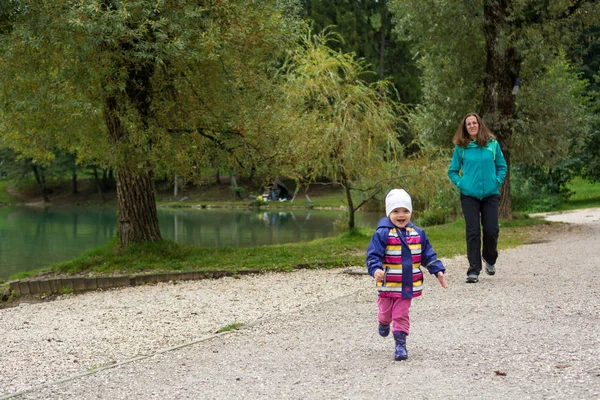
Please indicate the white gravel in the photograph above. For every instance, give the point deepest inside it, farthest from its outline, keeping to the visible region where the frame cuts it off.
(530, 331)
(48, 341)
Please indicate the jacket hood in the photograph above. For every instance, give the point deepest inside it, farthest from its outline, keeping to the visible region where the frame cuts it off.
(387, 223)
(473, 143)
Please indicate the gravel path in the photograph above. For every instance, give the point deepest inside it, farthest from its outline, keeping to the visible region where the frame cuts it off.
(530, 331)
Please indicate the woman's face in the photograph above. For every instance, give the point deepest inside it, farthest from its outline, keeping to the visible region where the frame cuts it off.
(472, 126)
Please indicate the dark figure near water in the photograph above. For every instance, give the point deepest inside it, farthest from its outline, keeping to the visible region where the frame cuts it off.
(279, 191)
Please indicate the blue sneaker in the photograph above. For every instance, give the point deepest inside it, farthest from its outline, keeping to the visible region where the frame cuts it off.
(401, 353)
(472, 278)
(384, 330)
(490, 269)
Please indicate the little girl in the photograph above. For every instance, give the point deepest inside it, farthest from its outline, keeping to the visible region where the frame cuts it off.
(394, 257)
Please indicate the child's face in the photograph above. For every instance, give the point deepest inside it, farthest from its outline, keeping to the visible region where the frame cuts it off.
(400, 217)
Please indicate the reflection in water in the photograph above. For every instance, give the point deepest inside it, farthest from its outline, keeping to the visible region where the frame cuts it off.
(224, 228)
(31, 238)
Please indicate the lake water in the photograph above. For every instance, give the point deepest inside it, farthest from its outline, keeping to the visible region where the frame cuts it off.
(31, 238)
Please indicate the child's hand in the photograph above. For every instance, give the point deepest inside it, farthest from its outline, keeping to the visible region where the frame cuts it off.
(378, 275)
(442, 278)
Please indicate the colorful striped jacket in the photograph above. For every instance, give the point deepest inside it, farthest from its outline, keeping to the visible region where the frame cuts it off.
(400, 253)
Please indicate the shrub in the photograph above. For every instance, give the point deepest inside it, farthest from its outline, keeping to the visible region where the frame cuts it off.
(539, 189)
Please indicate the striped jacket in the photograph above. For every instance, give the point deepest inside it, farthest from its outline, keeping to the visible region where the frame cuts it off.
(400, 253)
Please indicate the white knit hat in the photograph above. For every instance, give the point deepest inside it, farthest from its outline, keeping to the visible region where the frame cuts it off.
(397, 198)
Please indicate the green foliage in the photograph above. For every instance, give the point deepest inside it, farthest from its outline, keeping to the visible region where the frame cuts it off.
(449, 40)
(181, 84)
(449, 48)
(367, 31)
(346, 129)
(552, 115)
(539, 189)
(424, 176)
(9, 10)
(587, 149)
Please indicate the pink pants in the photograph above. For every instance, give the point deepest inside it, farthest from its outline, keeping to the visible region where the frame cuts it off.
(396, 310)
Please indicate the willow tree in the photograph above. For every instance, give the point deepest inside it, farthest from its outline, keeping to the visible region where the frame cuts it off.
(347, 127)
(141, 86)
(476, 55)
(367, 29)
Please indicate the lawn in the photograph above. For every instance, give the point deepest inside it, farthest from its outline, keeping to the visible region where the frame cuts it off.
(585, 195)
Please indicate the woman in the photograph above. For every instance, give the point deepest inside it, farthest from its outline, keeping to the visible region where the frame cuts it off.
(478, 155)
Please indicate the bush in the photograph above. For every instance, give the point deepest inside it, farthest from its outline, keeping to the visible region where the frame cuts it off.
(434, 197)
(539, 189)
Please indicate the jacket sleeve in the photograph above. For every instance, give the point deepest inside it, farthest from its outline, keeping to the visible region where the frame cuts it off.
(428, 256)
(501, 167)
(455, 166)
(376, 251)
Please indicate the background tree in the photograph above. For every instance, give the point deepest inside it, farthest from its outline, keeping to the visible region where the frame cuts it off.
(141, 85)
(586, 55)
(500, 41)
(346, 128)
(367, 31)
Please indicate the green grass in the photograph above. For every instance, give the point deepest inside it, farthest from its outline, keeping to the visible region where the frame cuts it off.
(231, 327)
(329, 201)
(344, 250)
(586, 195)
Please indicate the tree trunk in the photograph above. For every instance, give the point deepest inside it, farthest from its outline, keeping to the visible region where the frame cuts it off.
(74, 177)
(40, 178)
(351, 210)
(234, 186)
(105, 180)
(137, 220)
(98, 184)
(383, 33)
(502, 67)
(175, 187)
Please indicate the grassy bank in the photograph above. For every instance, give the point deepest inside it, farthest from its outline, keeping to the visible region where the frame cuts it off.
(342, 251)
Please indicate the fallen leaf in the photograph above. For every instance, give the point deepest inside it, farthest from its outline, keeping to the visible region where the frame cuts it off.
(500, 373)
(562, 366)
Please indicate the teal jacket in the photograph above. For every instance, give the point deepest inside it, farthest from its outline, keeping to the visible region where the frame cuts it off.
(483, 169)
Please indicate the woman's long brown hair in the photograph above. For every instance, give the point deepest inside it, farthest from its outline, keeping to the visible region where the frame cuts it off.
(462, 137)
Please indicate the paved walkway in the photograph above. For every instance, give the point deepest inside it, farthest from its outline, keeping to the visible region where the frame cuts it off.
(532, 331)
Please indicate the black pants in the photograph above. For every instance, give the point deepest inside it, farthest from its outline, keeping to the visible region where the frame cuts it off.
(481, 215)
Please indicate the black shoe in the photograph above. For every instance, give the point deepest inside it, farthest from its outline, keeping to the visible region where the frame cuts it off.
(472, 278)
